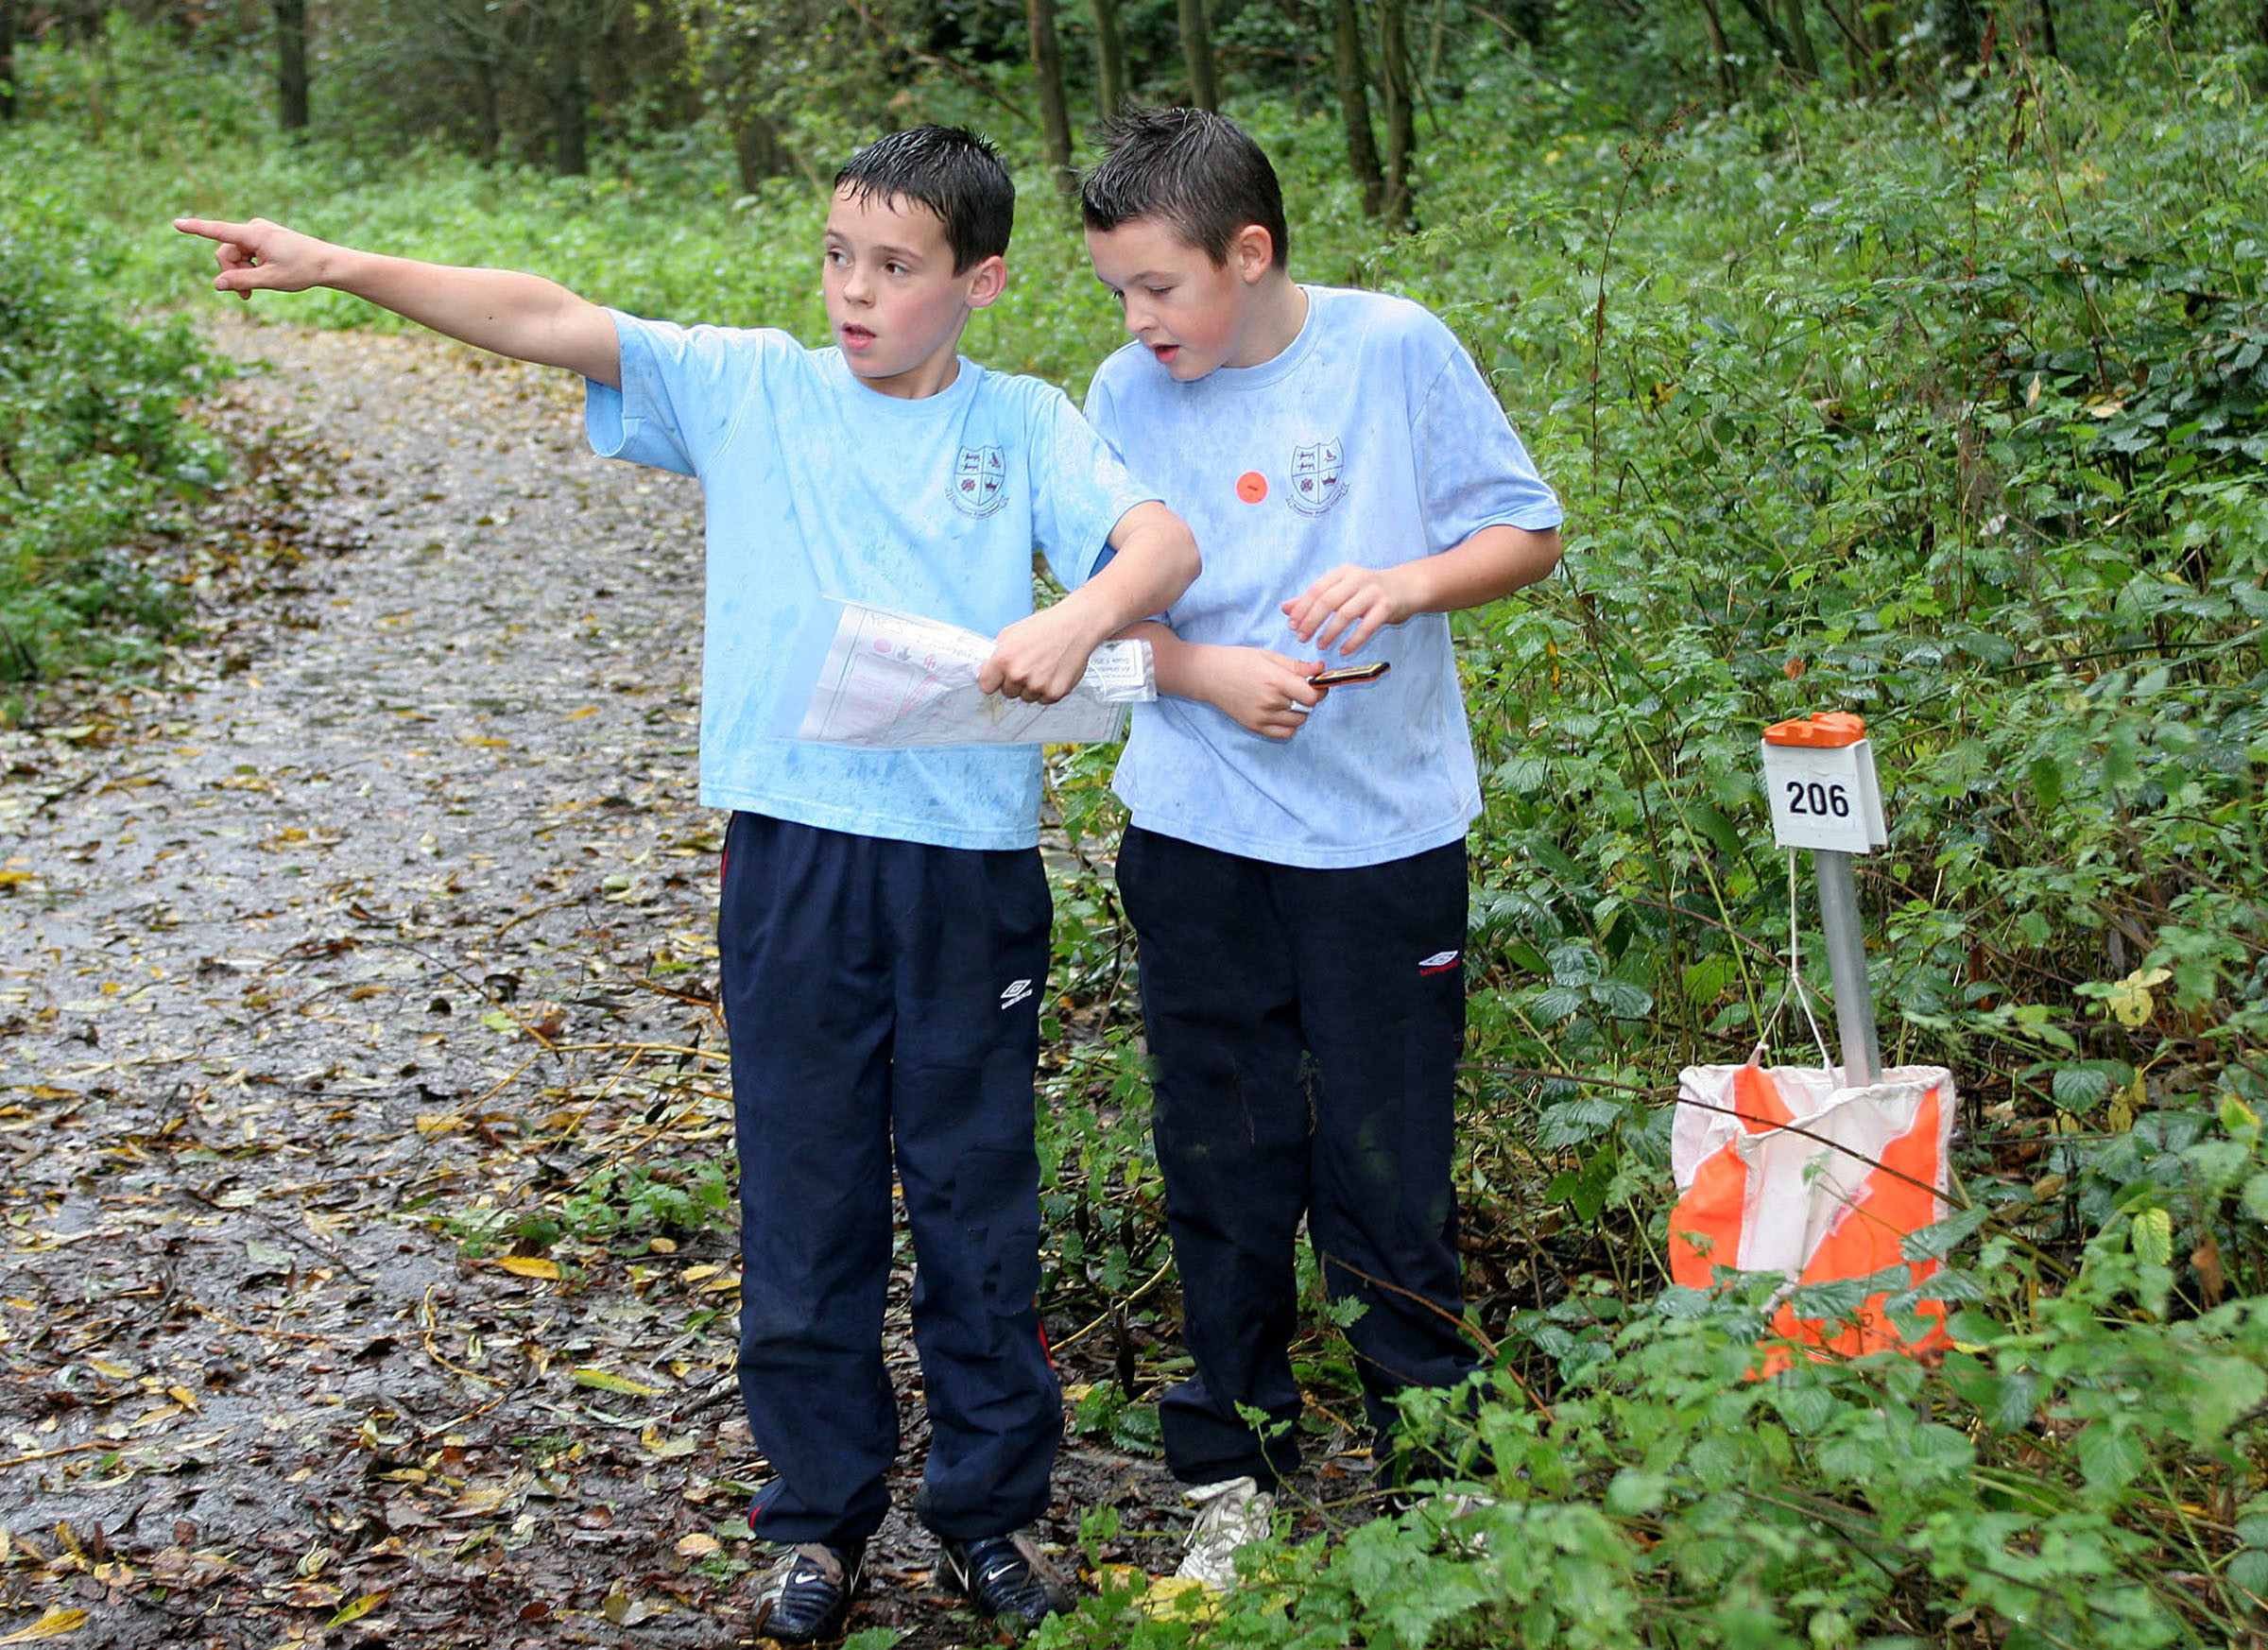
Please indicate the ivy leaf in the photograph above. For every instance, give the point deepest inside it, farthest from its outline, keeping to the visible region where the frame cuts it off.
(2256, 1196)
(2224, 1389)
(2154, 1236)
(2122, 756)
(1717, 828)
(2018, 1400)
(2047, 781)
(2129, 1001)
(1524, 774)
(1574, 964)
(1935, 1451)
(2249, 1570)
(1806, 1408)
(1633, 1493)
(1623, 999)
(1849, 1460)
(2109, 1456)
(2077, 1089)
(1556, 1003)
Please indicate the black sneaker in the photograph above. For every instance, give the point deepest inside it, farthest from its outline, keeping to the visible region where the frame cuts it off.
(805, 1598)
(1006, 1578)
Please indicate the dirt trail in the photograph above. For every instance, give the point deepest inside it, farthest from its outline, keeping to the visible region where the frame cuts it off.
(390, 922)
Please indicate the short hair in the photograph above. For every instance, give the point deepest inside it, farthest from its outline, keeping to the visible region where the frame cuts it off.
(1196, 172)
(956, 174)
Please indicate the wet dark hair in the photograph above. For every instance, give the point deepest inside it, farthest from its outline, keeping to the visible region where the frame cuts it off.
(951, 170)
(1193, 171)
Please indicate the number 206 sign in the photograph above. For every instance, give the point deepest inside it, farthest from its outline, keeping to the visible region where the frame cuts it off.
(1819, 775)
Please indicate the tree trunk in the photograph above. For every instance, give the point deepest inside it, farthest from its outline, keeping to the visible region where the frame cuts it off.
(2047, 28)
(1398, 93)
(1800, 38)
(8, 59)
(1054, 114)
(1775, 42)
(1354, 104)
(1109, 58)
(488, 121)
(1197, 52)
(1720, 52)
(1856, 51)
(569, 97)
(291, 64)
(1960, 32)
(757, 149)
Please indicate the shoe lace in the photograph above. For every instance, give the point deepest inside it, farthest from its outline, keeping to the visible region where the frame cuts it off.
(1228, 1520)
(810, 1561)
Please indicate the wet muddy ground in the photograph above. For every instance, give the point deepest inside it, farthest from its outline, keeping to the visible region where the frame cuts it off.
(336, 975)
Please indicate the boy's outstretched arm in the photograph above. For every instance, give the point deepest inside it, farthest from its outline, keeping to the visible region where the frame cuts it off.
(1356, 602)
(1041, 658)
(525, 316)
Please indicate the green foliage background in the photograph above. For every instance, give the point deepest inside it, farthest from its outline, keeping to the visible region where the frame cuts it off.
(1948, 409)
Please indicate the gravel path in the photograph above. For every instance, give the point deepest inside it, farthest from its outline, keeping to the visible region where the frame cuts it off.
(359, 1087)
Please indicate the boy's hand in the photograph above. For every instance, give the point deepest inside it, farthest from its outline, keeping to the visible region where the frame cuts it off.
(261, 256)
(1356, 602)
(1039, 658)
(1262, 692)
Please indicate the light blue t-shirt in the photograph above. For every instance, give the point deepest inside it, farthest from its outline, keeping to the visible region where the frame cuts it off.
(1371, 440)
(817, 487)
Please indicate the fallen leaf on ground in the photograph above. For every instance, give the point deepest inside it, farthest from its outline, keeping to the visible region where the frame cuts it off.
(54, 1625)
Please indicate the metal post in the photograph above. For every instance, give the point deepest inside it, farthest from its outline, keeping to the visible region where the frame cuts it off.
(1847, 966)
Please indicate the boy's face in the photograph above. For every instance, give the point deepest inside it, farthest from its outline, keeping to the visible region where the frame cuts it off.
(1191, 314)
(893, 302)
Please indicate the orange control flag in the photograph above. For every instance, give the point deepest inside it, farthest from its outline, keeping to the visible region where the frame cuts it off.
(1784, 1170)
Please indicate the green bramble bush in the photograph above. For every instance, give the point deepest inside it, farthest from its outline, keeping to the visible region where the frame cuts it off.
(94, 455)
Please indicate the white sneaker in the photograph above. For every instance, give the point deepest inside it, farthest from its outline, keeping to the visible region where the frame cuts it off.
(1451, 1515)
(1229, 1514)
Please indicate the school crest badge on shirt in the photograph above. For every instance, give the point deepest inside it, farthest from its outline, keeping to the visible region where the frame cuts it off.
(980, 481)
(1319, 482)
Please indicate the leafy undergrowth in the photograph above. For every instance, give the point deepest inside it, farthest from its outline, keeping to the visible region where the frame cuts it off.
(95, 461)
(1965, 432)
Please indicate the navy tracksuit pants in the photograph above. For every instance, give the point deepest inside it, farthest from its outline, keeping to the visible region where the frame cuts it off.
(1304, 1028)
(882, 999)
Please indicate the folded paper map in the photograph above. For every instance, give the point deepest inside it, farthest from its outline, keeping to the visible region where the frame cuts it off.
(888, 679)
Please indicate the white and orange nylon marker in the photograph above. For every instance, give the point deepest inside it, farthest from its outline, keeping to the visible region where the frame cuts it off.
(1817, 1174)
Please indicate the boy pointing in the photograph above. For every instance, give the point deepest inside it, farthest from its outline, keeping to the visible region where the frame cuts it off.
(880, 910)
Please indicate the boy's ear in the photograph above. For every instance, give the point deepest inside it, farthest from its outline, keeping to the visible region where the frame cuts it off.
(987, 281)
(1252, 253)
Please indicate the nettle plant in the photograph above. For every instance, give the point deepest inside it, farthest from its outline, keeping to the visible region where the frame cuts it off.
(1965, 434)
(2080, 1471)
(95, 456)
